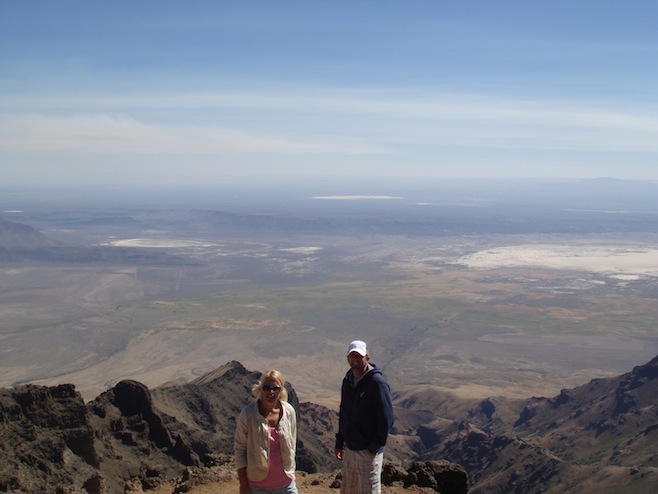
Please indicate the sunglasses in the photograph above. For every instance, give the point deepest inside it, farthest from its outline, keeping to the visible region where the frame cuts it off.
(267, 387)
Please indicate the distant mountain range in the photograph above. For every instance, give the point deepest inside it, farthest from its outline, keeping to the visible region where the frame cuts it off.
(20, 236)
(596, 438)
(20, 242)
(425, 209)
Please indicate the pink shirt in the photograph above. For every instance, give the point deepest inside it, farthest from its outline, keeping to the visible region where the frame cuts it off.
(276, 476)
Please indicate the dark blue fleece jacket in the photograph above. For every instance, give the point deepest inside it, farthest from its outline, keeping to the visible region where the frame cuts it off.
(366, 412)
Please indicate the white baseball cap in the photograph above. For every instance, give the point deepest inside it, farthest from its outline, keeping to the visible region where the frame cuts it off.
(359, 347)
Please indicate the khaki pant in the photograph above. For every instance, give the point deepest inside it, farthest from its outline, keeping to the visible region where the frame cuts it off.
(362, 472)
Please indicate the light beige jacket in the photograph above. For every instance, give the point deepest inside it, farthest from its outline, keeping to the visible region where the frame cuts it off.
(251, 445)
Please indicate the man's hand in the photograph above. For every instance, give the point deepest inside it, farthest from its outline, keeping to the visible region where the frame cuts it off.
(338, 453)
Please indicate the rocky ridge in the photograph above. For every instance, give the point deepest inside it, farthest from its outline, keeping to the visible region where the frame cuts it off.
(598, 437)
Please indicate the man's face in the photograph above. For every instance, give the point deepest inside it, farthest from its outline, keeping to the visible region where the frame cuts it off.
(357, 361)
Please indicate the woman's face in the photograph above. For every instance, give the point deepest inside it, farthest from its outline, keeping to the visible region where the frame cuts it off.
(270, 390)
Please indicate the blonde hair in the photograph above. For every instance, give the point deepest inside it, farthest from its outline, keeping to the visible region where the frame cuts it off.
(271, 374)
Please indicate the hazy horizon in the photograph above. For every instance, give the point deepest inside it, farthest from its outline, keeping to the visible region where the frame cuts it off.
(277, 192)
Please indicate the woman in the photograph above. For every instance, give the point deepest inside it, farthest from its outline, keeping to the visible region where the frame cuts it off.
(265, 440)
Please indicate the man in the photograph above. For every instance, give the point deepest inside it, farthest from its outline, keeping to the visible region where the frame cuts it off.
(364, 421)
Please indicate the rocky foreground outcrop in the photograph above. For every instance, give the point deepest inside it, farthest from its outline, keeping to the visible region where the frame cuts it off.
(132, 439)
(50, 441)
(599, 437)
(425, 476)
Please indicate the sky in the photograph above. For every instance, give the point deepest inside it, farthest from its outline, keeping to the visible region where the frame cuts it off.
(201, 92)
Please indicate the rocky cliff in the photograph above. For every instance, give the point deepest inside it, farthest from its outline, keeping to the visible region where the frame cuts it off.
(596, 438)
(132, 439)
(599, 437)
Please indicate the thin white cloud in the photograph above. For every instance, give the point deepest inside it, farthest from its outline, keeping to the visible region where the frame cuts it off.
(312, 121)
(355, 198)
(126, 135)
(412, 104)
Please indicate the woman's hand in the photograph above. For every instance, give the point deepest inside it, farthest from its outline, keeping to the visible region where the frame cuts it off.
(244, 483)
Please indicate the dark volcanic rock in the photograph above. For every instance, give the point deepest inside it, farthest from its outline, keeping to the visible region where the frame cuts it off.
(205, 410)
(440, 475)
(45, 439)
(601, 434)
(316, 433)
(134, 401)
(129, 439)
(50, 441)
(601, 419)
